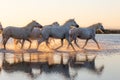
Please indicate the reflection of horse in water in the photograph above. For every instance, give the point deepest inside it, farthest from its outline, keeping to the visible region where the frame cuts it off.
(85, 33)
(90, 65)
(43, 67)
(19, 33)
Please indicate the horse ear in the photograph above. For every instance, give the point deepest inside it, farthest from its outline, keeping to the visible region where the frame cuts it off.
(73, 18)
(33, 20)
(99, 23)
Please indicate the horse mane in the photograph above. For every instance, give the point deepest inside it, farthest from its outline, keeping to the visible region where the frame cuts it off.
(52, 24)
(94, 25)
(68, 21)
(28, 24)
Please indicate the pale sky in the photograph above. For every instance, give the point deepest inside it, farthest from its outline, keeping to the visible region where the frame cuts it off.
(85, 12)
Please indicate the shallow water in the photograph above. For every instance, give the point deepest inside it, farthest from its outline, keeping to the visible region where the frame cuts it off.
(105, 67)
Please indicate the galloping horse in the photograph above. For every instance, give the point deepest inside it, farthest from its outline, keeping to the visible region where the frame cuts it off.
(85, 33)
(61, 32)
(19, 33)
(35, 34)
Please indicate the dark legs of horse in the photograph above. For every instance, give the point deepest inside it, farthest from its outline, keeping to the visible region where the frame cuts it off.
(96, 43)
(69, 42)
(47, 44)
(61, 44)
(39, 42)
(85, 43)
(16, 41)
(30, 43)
(22, 43)
(5, 41)
(68, 45)
(75, 41)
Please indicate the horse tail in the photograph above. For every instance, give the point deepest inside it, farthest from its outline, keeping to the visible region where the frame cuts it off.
(71, 34)
(1, 31)
(3, 37)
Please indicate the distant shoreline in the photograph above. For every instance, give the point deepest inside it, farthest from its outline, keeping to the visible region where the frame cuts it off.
(111, 31)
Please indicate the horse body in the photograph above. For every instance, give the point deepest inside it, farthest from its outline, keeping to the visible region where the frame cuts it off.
(85, 33)
(52, 32)
(35, 34)
(61, 32)
(18, 33)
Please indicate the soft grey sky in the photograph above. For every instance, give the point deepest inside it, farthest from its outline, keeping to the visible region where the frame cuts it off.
(85, 12)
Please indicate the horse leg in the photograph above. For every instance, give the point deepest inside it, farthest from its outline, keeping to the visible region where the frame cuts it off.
(61, 44)
(4, 42)
(85, 43)
(96, 43)
(40, 41)
(75, 41)
(30, 43)
(16, 41)
(22, 43)
(71, 38)
(47, 44)
(69, 42)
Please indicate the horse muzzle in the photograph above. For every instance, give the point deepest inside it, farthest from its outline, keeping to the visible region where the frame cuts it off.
(77, 26)
(40, 26)
(102, 31)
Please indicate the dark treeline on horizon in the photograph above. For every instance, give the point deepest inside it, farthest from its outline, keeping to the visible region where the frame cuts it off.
(111, 31)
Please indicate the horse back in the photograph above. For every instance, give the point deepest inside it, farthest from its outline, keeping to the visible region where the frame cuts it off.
(15, 32)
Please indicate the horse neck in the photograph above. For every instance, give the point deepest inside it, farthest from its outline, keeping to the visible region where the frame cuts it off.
(67, 25)
(94, 27)
(29, 27)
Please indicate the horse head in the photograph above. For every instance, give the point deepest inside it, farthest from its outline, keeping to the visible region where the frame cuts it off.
(100, 28)
(1, 28)
(36, 24)
(72, 22)
(55, 24)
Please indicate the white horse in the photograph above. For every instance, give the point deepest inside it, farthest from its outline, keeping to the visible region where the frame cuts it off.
(36, 34)
(19, 33)
(61, 32)
(85, 33)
